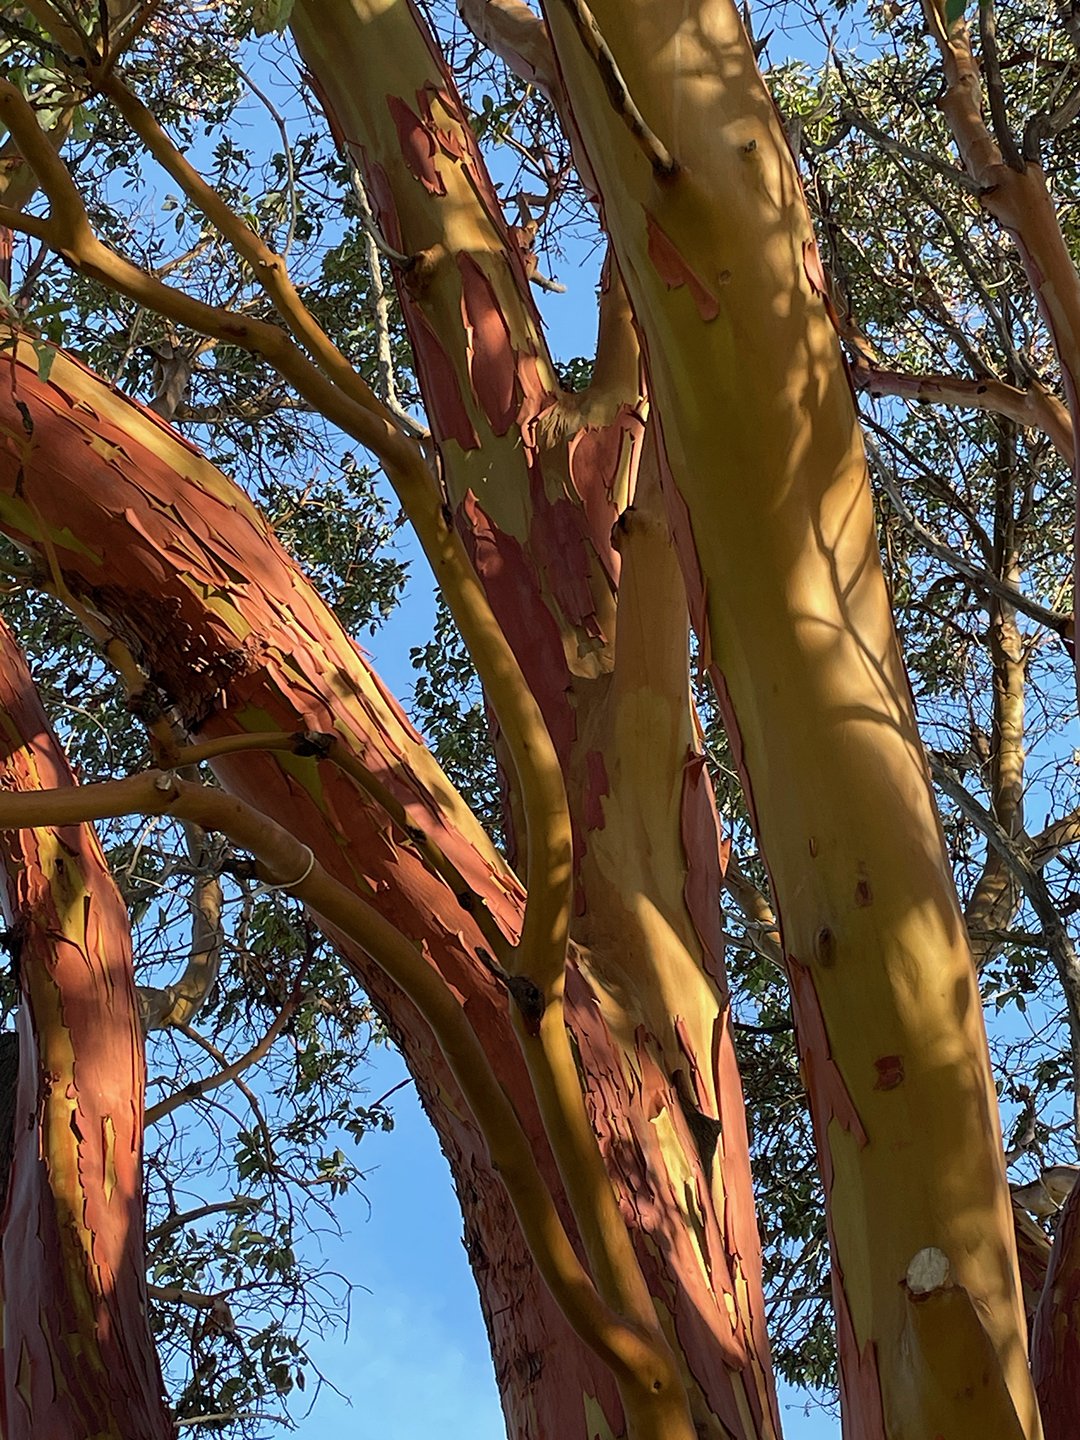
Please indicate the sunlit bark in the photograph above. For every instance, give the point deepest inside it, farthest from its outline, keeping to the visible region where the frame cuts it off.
(78, 1357)
(771, 509)
(596, 610)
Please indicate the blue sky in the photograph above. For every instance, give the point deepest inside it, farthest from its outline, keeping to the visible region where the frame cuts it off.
(415, 1358)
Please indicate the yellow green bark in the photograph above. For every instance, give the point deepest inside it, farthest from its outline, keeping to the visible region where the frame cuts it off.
(770, 504)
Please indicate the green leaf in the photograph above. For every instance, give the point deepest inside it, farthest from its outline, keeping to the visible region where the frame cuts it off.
(269, 17)
(46, 354)
(954, 11)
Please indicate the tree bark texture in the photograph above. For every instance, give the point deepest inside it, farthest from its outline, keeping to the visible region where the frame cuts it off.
(1055, 1334)
(770, 504)
(556, 497)
(174, 561)
(78, 1357)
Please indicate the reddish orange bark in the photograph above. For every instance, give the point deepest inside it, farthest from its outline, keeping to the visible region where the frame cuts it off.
(596, 612)
(78, 1356)
(178, 564)
(1055, 1335)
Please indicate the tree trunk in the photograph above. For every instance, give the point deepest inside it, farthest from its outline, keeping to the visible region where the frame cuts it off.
(78, 1356)
(1055, 1336)
(771, 508)
(172, 558)
(561, 514)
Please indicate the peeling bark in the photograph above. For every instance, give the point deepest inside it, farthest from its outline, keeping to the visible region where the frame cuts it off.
(596, 611)
(1055, 1337)
(78, 1357)
(771, 510)
(174, 560)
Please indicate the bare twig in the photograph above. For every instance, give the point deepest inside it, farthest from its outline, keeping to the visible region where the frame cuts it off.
(188, 1217)
(1058, 940)
(995, 90)
(1035, 407)
(380, 312)
(198, 1088)
(980, 577)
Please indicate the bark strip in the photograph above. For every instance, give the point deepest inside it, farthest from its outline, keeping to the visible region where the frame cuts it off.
(78, 1357)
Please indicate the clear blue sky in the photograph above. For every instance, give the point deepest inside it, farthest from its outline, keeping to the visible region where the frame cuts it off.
(415, 1360)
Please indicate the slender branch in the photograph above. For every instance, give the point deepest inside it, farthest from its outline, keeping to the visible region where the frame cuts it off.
(994, 898)
(194, 1299)
(142, 16)
(633, 1354)
(54, 23)
(380, 308)
(858, 121)
(756, 910)
(367, 219)
(188, 1217)
(198, 1088)
(179, 1003)
(995, 90)
(254, 1103)
(1034, 408)
(221, 1417)
(286, 151)
(1054, 838)
(1058, 940)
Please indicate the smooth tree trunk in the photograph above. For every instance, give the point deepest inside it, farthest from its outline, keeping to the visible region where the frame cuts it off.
(770, 504)
(157, 547)
(78, 1357)
(557, 498)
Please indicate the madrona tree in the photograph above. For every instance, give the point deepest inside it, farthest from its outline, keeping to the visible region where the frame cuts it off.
(561, 998)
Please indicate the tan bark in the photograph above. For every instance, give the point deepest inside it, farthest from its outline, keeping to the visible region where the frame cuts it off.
(78, 1357)
(771, 508)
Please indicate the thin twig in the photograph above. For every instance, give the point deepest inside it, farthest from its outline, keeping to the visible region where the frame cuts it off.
(995, 90)
(380, 313)
(981, 578)
(1058, 940)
